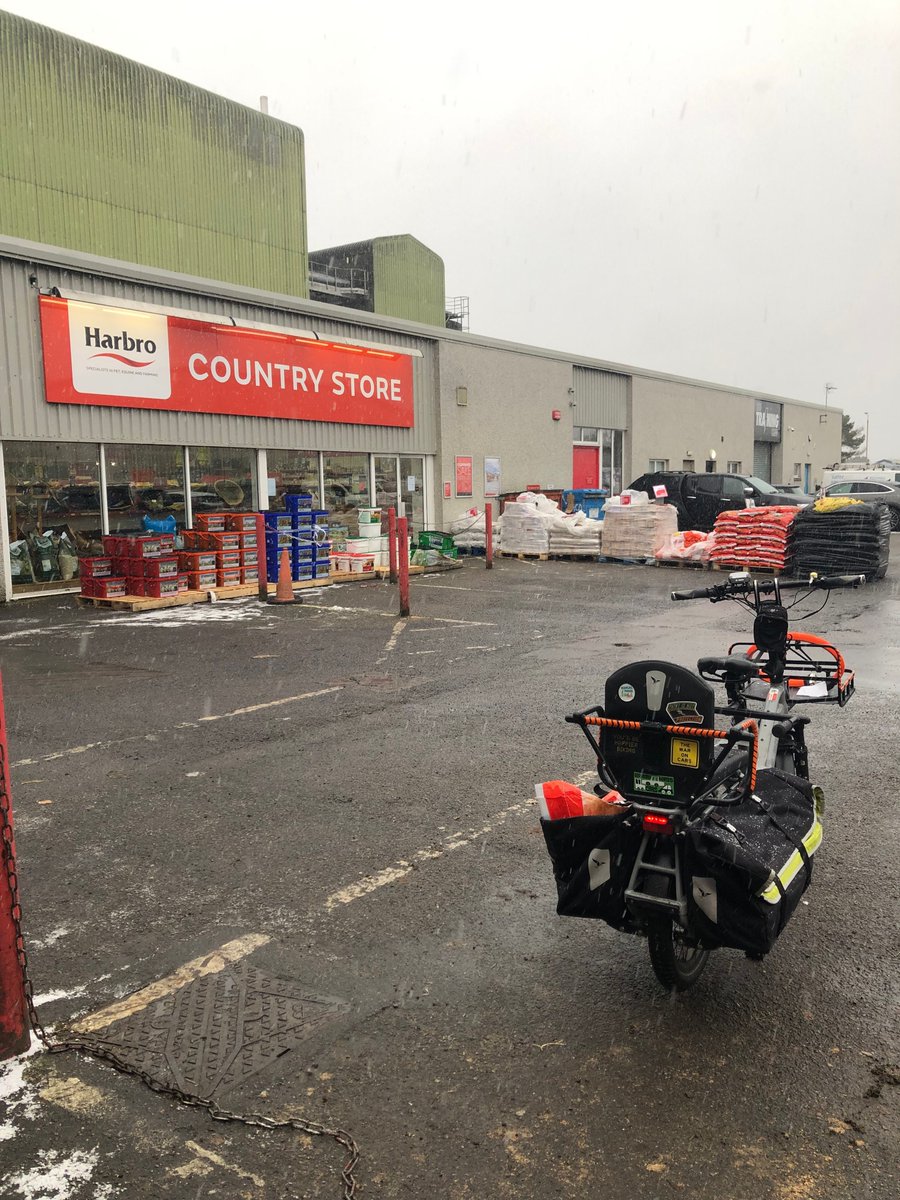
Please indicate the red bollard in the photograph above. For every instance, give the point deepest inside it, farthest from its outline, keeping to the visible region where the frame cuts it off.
(488, 536)
(403, 565)
(392, 544)
(14, 1036)
(261, 558)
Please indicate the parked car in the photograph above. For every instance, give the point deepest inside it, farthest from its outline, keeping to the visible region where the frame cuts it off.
(700, 498)
(794, 489)
(871, 492)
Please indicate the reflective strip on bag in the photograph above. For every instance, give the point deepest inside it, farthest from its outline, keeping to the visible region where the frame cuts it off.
(787, 874)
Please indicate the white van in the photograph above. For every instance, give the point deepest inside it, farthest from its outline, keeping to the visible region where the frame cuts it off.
(859, 474)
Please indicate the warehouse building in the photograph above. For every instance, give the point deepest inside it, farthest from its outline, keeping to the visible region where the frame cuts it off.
(160, 354)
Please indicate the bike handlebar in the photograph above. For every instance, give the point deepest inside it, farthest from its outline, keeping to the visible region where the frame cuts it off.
(740, 587)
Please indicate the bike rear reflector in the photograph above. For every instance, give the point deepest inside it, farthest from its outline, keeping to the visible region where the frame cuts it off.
(657, 823)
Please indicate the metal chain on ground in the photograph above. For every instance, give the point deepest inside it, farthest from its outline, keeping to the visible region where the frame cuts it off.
(106, 1051)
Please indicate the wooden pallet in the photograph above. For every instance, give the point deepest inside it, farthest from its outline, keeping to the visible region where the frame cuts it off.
(628, 562)
(150, 603)
(536, 556)
(719, 566)
(681, 563)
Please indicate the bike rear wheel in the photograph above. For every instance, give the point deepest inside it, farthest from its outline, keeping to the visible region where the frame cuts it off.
(677, 963)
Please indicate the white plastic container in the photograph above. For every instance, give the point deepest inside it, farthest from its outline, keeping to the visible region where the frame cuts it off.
(369, 516)
(366, 545)
(361, 564)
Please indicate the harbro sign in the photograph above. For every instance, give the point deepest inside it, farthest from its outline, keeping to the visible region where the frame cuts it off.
(102, 354)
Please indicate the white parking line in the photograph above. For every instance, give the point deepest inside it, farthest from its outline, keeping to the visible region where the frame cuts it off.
(208, 964)
(140, 737)
(455, 841)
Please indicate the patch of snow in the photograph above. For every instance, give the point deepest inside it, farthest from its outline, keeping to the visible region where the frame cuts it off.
(55, 1176)
(16, 1092)
(51, 939)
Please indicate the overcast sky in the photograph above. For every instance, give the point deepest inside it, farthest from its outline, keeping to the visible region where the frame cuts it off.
(700, 187)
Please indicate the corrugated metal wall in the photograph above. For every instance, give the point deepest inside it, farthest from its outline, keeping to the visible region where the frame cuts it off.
(107, 156)
(409, 280)
(600, 399)
(24, 413)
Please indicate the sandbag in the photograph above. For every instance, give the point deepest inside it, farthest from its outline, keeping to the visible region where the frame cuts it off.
(749, 865)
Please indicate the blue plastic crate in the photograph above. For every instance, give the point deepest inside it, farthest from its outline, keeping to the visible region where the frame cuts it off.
(322, 568)
(298, 500)
(278, 520)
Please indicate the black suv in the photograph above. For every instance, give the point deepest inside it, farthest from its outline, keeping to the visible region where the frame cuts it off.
(700, 498)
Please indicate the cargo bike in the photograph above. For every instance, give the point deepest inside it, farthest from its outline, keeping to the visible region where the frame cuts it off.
(713, 846)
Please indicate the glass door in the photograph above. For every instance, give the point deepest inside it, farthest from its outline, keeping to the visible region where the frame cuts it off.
(387, 490)
(412, 492)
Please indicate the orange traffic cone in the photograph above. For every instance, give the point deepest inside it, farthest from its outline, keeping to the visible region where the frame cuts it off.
(284, 591)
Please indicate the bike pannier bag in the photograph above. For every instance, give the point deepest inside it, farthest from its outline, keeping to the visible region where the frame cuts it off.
(592, 860)
(748, 865)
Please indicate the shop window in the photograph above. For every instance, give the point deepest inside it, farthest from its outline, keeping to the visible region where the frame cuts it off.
(798, 469)
(659, 464)
(54, 505)
(733, 466)
(144, 484)
(222, 479)
(290, 472)
(346, 490)
(687, 464)
(587, 435)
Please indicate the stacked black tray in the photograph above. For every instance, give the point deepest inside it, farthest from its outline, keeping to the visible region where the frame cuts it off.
(854, 540)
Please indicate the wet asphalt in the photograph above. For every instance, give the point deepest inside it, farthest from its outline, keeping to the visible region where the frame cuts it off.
(376, 827)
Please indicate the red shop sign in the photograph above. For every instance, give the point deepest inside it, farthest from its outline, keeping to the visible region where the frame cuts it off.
(103, 354)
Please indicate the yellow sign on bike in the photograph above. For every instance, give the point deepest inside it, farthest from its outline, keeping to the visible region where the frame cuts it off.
(685, 752)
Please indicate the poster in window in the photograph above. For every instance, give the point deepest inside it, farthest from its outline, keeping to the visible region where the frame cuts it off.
(464, 475)
(492, 476)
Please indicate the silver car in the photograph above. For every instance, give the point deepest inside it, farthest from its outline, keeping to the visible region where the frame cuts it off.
(871, 492)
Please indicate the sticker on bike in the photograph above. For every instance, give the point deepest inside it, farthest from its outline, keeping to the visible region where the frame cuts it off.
(684, 712)
(684, 752)
(654, 785)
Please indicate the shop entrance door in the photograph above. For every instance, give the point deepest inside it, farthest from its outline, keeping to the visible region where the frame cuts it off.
(412, 492)
(585, 467)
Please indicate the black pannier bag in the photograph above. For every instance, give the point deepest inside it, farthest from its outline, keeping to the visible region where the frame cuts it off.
(748, 865)
(592, 862)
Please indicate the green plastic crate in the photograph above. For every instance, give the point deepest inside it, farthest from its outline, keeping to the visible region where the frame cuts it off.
(433, 539)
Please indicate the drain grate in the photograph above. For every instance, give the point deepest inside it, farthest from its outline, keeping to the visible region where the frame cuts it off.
(220, 1029)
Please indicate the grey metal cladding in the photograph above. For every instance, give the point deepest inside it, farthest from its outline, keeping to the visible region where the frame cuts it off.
(25, 414)
(600, 398)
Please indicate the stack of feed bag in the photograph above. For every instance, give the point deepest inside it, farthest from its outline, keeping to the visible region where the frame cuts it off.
(842, 539)
(469, 529)
(524, 529)
(689, 546)
(754, 537)
(637, 529)
(577, 534)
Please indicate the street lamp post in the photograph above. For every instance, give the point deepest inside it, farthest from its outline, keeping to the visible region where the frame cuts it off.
(866, 415)
(829, 387)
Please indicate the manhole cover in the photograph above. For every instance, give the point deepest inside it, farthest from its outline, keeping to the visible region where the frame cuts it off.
(220, 1029)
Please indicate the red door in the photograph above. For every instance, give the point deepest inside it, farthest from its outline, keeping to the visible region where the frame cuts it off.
(585, 467)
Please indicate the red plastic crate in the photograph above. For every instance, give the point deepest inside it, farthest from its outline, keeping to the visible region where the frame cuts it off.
(194, 539)
(144, 547)
(211, 522)
(199, 581)
(94, 568)
(161, 587)
(160, 568)
(240, 521)
(222, 541)
(229, 577)
(109, 588)
(182, 583)
(111, 543)
(249, 558)
(166, 543)
(226, 559)
(135, 586)
(250, 541)
(196, 560)
(250, 574)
